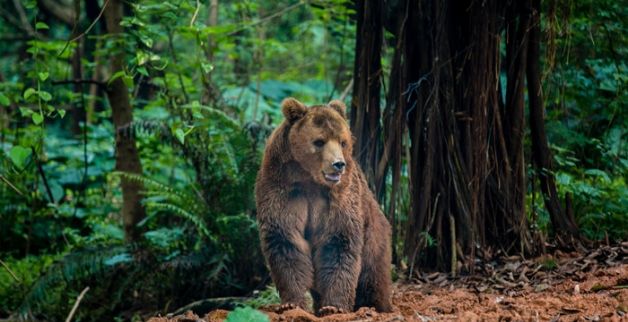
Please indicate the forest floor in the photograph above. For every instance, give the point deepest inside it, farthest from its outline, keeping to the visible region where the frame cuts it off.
(578, 286)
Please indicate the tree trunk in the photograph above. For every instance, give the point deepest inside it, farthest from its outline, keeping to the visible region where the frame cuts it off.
(365, 109)
(562, 222)
(462, 162)
(127, 157)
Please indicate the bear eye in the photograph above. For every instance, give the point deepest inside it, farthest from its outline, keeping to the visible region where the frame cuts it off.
(319, 143)
(343, 144)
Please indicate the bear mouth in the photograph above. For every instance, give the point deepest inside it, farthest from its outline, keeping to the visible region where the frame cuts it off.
(333, 177)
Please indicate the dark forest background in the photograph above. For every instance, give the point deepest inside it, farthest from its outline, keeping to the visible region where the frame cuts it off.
(131, 134)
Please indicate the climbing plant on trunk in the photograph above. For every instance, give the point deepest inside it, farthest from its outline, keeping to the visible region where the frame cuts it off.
(127, 157)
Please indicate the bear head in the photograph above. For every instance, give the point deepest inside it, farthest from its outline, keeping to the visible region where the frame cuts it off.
(319, 139)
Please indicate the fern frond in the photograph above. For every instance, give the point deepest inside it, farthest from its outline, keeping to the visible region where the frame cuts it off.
(195, 219)
(149, 183)
(215, 115)
(78, 265)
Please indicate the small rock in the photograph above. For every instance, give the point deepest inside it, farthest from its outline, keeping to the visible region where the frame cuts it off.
(576, 289)
(541, 287)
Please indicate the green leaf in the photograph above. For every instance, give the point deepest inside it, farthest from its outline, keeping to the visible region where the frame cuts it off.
(61, 113)
(180, 135)
(29, 92)
(243, 314)
(142, 70)
(41, 25)
(146, 40)
(118, 259)
(30, 4)
(25, 111)
(19, 155)
(4, 101)
(207, 67)
(43, 76)
(128, 81)
(115, 76)
(141, 57)
(45, 96)
(37, 118)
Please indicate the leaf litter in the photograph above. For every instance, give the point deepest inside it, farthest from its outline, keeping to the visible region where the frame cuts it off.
(589, 285)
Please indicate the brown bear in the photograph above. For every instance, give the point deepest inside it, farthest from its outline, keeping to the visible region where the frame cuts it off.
(321, 229)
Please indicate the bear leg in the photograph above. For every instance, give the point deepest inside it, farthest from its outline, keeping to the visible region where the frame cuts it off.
(337, 264)
(290, 265)
(375, 284)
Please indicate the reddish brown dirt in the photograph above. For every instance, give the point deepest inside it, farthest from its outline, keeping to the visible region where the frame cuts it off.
(591, 287)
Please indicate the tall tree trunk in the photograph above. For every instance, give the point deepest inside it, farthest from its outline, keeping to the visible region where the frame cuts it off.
(365, 109)
(562, 222)
(462, 162)
(395, 123)
(127, 157)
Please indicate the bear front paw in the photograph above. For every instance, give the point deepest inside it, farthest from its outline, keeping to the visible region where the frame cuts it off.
(328, 310)
(286, 307)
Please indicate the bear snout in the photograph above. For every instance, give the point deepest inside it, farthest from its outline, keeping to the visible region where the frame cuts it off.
(339, 165)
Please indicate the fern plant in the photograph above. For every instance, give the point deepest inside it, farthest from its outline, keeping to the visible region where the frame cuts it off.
(164, 199)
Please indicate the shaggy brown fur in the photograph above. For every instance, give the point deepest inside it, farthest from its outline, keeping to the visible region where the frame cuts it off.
(321, 229)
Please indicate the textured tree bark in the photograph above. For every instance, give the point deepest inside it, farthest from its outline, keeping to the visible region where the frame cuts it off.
(562, 222)
(394, 124)
(365, 110)
(127, 157)
(465, 160)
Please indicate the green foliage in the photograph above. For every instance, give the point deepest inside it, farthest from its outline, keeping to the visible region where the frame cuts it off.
(549, 264)
(268, 296)
(26, 270)
(205, 97)
(586, 101)
(246, 314)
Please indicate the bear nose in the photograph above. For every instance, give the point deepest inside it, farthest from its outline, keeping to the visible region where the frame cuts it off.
(339, 165)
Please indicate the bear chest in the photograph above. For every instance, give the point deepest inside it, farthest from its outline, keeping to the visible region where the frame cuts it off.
(313, 210)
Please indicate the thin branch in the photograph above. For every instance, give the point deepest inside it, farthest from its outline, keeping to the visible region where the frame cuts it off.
(10, 272)
(11, 185)
(76, 304)
(198, 7)
(23, 19)
(86, 30)
(174, 59)
(79, 81)
(10, 19)
(59, 11)
(269, 17)
(346, 91)
(40, 169)
(16, 38)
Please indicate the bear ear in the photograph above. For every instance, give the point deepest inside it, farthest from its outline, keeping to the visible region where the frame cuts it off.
(292, 109)
(339, 106)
